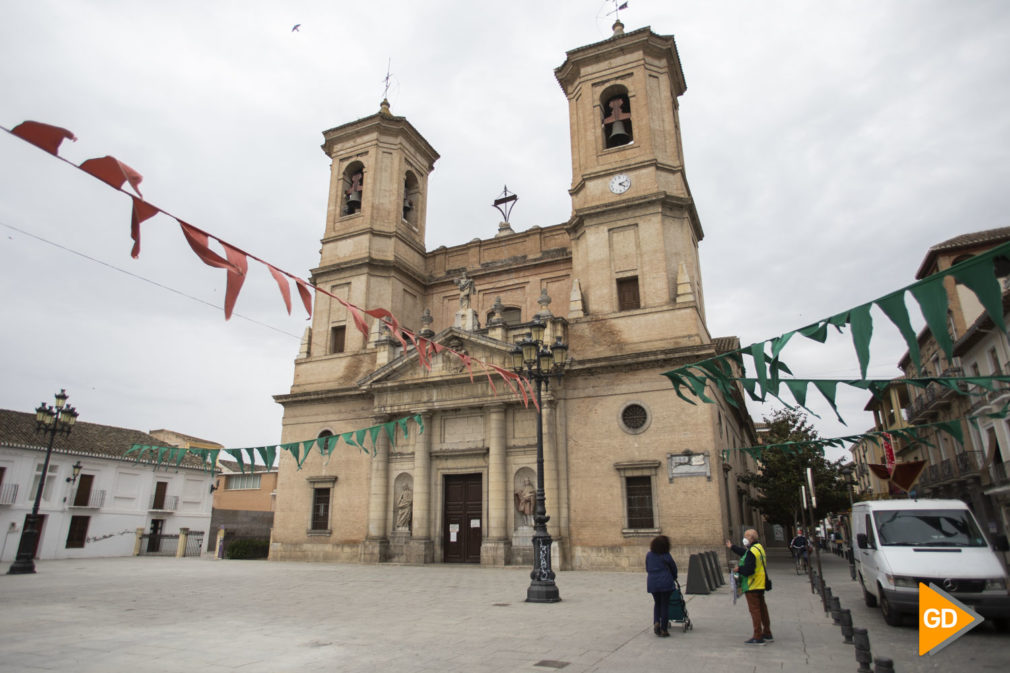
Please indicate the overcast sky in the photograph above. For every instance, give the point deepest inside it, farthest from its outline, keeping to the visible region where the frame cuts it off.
(828, 145)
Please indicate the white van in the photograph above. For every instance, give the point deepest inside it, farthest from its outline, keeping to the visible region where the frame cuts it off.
(900, 543)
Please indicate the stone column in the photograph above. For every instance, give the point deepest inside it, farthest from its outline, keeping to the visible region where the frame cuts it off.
(375, 547)
(180, 549)
(420, 548)
(139, 542)
(496, 546)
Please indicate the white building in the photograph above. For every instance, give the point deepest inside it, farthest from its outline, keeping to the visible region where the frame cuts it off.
(113, 496)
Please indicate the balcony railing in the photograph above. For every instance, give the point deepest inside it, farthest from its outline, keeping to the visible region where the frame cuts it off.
(946, 469)
(966, 463)
(8, 494)
(999, 473)
(93, 500)
(166, 503)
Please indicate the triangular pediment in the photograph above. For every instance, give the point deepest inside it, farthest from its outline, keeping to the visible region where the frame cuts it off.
(446, 364)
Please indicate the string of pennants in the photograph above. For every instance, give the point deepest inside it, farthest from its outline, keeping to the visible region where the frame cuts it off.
(235, 261)
(360, 439)
(911, 433)
(978, 273)
(828, 388)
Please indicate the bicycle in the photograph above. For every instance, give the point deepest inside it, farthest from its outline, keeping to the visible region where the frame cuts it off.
(800, 561)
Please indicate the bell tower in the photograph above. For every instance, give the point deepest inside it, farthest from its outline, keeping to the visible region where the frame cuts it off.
(373, 245)
(634, 227)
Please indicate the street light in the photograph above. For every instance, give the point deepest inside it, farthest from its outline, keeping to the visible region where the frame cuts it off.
(52, 421)
(532, 358)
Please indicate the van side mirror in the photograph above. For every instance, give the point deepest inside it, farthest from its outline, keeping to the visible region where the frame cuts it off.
(1001, 543)
(861, 541)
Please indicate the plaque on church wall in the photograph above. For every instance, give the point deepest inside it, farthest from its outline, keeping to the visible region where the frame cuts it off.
(458, 430)
(524, 423)
(688, 465)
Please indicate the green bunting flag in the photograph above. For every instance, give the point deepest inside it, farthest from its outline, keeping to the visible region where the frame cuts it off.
(298, 450)
(977, 273)
(911, 434)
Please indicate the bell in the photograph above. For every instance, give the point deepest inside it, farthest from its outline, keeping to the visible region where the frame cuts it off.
(353, 200)
(618, 134)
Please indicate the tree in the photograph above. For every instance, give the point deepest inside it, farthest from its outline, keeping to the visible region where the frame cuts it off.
(781, 472)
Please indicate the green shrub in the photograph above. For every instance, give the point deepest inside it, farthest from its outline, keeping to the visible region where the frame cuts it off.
(247, 549)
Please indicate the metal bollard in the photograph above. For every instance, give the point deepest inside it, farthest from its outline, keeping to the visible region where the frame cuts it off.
(836, 608)
(845, 621)
(883, 665)
(826, 599)
(861, 640)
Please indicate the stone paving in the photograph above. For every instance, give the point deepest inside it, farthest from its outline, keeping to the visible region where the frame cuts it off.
(165, 614)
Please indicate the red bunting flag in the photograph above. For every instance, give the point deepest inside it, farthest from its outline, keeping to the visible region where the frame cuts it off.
(198, 241)
(142, 210)
(235, 277)
(113, 172)
(282, 283)
(43, 136)
(305, 292)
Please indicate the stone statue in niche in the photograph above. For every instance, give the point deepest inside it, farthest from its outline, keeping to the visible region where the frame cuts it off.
(465, 285)
(404, 508)
(525, 499)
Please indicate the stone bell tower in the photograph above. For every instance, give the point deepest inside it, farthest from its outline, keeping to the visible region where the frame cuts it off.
(634, 227)
(373, 246)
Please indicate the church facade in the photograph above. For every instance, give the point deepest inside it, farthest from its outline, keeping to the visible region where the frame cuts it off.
(625, 459)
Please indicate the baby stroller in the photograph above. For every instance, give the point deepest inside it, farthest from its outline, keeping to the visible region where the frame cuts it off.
(678, 608)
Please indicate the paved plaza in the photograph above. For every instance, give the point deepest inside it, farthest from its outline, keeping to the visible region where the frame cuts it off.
(164, 614)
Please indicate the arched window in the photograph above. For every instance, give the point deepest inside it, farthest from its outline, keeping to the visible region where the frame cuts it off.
(352, 188)
(615, 108)
(411, 198)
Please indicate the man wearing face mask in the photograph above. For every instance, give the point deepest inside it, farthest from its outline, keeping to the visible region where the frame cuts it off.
(753, 571)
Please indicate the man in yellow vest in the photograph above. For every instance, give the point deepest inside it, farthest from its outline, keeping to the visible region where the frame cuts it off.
(753, 571)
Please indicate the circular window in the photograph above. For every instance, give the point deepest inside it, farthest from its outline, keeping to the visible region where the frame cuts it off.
(634, 418)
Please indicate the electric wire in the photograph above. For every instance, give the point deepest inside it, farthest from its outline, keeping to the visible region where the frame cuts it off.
(146, 280)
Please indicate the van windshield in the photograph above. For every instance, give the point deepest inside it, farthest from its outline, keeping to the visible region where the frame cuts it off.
(928, 528)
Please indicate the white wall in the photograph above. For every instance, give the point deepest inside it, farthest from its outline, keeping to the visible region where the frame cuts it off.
(129, 489)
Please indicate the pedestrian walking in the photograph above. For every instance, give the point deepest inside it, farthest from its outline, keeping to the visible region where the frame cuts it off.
(662, 578)
(753, 569)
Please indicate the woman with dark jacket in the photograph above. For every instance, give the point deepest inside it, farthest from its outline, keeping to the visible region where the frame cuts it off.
(662, 575)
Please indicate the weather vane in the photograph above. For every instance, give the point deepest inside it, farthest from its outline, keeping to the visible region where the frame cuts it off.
(618, 8)
(385, 91)
(504, 203)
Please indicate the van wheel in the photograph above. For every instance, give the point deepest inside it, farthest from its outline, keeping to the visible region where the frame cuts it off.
(868, 598)
(892, 617)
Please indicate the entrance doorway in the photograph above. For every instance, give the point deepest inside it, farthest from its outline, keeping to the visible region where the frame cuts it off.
(154, 537)
(461, 530)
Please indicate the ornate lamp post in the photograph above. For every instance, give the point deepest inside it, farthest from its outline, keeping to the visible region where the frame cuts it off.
(538, 361)
(52, 421)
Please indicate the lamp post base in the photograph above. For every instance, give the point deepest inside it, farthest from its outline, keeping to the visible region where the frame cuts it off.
(20, 567)
(543, 592)
(24, 562)
(542, 588)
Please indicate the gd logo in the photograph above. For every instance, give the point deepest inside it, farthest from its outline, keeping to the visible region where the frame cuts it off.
(942, 619)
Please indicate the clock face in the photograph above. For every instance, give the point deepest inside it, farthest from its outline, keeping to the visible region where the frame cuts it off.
(620, 183)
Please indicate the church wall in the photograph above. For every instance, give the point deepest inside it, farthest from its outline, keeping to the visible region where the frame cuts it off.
(349, 495)
(688, 510)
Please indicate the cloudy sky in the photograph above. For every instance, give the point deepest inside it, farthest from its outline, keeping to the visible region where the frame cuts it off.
(828, 145)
